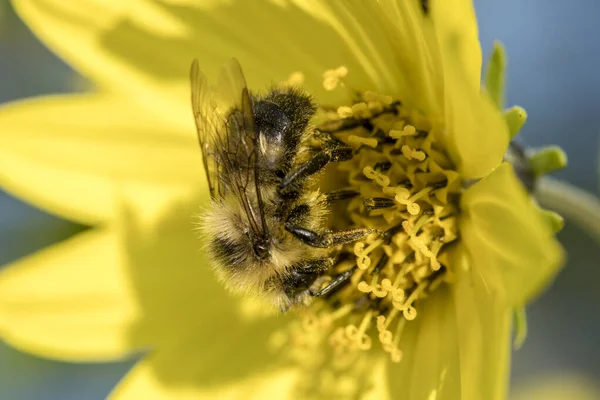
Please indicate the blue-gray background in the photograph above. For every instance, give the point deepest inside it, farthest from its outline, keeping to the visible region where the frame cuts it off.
(554, 73)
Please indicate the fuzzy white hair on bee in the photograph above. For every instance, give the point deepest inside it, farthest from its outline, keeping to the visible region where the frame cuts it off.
(265, 225)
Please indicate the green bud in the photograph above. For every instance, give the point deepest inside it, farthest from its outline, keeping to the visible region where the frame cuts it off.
(494, 77)
(515, 118)
(520, 318)
(546, 160)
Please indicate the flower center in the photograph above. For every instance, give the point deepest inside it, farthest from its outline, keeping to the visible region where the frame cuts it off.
(408, 191)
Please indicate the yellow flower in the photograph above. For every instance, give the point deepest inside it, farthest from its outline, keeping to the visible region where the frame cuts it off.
(125, 160)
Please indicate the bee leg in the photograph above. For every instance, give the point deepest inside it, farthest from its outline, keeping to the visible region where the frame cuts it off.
(316, 164)
(328, 239)
(335, 283)
(302, 275)
(328, 139)
(338, 195)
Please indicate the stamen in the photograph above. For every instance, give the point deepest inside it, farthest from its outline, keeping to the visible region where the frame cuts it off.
(412, 207)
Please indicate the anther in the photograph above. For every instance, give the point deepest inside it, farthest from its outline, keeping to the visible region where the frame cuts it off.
(361, 110)
(380, 178)
(408, 130)
(371, 142)
(412, 154)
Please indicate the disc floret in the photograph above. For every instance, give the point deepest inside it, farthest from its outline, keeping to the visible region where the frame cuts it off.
(409, 192)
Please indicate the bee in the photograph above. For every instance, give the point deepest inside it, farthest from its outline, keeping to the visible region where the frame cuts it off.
(264, 225)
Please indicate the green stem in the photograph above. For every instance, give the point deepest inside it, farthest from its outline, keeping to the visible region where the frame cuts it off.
(572, 202)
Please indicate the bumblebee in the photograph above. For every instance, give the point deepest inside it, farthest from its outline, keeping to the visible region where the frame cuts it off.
(265, 224)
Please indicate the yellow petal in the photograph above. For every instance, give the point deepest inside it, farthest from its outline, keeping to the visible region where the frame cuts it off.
(174, 284)
(475, 134)
(430, 367)
(510, 245)
(70, 301)
(394, 48)
(64, 153)
(192, 376)
(483, 322)
(145, 49)
(201, 336)
(455, 24)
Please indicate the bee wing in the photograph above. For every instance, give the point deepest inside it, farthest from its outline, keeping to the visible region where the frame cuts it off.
(229, 139)
(208, 122)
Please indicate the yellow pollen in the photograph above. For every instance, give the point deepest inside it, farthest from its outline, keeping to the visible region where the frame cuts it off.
(344, 111)
(332, 77)
(295, 79)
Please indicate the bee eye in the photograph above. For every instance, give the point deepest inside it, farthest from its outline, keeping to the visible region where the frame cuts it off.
(261, 248)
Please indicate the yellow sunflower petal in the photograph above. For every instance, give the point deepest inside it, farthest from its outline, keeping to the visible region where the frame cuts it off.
(70, 301)
(64, 153)
(221, 350)
(394, 51)
(455, 22)
(483, 322)
(145, 49)
(475, 132)
(511, 246)
(193, 377)
(429, 368)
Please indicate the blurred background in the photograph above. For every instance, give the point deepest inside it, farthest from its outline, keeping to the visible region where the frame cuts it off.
(553, 72)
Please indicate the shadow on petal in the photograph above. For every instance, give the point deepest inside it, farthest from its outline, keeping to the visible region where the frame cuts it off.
(199, 333)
